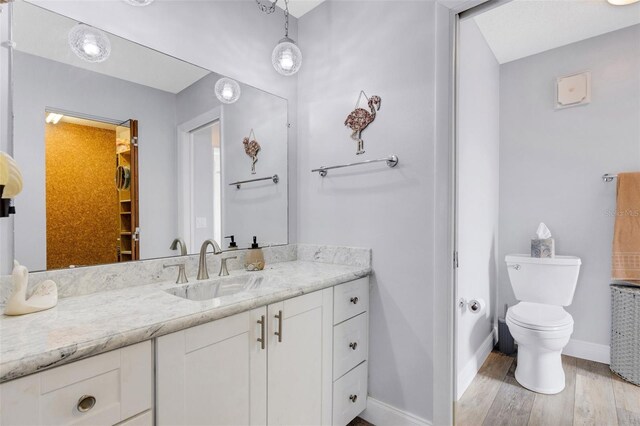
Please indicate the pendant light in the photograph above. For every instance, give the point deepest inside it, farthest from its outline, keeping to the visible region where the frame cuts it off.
(622, 2)
(227, 90)
(89, 44)
(286, 56)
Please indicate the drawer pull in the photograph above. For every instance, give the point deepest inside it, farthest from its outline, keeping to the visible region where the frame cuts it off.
(354, 300)
(353, 398)
(86, 403)
(353, 345)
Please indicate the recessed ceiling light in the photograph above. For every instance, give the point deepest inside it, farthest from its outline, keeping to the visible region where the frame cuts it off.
(89, 43)
(53, 118)
(622, 2)
(139, 2)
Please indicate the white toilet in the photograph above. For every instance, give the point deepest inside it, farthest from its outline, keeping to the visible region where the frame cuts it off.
(539, 323)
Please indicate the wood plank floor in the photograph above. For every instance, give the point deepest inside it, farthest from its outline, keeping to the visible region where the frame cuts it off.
(593, 396)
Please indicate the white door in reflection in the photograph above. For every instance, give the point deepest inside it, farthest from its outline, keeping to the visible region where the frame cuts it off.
(206, 205)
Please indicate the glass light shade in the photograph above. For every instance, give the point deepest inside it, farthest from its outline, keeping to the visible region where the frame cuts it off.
(227, 90)
(89, 43)
(286, 57)
(139, 2)
(622, 2)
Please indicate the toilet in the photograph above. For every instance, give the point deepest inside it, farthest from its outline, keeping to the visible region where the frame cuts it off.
(538, 323)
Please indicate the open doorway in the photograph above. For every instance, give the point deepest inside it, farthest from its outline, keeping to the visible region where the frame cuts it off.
(91, 190)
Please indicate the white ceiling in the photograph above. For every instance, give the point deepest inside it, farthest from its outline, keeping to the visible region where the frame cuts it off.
(522, 28)
(43, 33)
(299, 7)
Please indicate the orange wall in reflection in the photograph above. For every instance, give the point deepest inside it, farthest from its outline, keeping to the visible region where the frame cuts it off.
(82, 200)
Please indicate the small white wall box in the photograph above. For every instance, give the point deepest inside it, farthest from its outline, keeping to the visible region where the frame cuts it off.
(573, 90)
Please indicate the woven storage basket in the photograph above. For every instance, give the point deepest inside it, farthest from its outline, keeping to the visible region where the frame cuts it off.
(625, 332)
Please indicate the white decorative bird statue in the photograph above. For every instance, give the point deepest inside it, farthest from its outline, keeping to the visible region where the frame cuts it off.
(44, 296)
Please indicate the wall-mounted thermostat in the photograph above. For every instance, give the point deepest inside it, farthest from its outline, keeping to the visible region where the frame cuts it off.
(573, 90)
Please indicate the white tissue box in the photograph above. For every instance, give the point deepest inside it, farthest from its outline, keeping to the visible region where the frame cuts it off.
(543, 247)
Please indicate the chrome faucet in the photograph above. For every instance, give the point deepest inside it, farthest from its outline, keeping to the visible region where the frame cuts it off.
(178, 242)
(203, 274)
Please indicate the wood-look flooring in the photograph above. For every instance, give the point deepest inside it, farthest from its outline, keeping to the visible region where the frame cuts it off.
(593, 396)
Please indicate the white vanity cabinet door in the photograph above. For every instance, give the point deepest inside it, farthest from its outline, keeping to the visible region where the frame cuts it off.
(213, 374)
(297, 365)
(119, 384)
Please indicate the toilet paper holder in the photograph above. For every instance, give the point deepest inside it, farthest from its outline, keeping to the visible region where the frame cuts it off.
(473, 305)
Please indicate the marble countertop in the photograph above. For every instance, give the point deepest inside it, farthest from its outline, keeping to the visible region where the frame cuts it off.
(83, 326)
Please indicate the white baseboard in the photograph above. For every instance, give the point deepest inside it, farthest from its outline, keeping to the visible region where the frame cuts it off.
(469, 371)
(588, 350)
(381, 414)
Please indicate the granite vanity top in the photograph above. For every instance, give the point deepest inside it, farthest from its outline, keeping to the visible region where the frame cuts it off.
(87, 325)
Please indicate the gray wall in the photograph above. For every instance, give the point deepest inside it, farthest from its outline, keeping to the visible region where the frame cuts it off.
(6, 224)
(350, 46)
(551, 162)
(41, 83)
(478, 185)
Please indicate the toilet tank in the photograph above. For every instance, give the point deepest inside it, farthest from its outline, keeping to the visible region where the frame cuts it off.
(543, 280)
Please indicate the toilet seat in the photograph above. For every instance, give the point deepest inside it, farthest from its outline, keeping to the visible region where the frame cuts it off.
(540, 317)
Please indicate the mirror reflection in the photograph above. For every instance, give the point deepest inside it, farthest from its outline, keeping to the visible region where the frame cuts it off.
(124, 149)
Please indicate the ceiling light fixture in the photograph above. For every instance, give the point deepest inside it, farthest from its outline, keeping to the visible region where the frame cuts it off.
(227, 90)
(53, 118)
(89, 43)
(286, 56)
(139, 2)
(622, 2)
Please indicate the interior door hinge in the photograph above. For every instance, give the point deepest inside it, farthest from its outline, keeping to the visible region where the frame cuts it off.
(456, 264)
(136, 234)
(134, 141)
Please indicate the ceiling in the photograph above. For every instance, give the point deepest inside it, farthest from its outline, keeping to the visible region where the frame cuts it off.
(299, 7)
(522, 28)
(44, 33)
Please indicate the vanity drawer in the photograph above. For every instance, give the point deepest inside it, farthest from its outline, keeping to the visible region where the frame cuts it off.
(350, 395)
(350, 344)
(350, 299)
(101, 390)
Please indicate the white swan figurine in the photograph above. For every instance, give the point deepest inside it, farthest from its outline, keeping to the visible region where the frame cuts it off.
(44, 296)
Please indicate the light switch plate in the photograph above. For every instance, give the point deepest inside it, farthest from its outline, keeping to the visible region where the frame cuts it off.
(573, 90)
(201, 222)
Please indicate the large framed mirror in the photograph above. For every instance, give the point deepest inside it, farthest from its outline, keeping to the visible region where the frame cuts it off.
(124, 154)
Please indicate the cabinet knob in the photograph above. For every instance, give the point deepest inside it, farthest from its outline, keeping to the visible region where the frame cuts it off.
(353, 398)
(353, 345)
(86, 403)
(354, 300)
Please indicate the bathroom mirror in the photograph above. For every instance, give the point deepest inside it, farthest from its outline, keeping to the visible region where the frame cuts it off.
(124, 148)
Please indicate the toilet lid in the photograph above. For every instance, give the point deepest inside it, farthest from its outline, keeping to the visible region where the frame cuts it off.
(538, 316)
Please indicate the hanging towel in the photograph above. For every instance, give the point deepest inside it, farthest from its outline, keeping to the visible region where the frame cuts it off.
(626, 234)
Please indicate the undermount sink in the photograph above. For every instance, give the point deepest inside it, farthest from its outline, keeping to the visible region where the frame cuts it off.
(216, 288)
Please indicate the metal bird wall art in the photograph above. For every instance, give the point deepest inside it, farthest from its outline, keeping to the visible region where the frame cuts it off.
(360, 118)
(251, 148)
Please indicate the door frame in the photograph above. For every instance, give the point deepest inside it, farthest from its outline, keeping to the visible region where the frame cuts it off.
(459, 13)
(185, 178)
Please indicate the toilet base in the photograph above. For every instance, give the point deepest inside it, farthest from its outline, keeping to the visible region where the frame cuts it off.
(540, 370)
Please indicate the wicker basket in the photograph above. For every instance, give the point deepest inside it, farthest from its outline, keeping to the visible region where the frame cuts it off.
(625, 332)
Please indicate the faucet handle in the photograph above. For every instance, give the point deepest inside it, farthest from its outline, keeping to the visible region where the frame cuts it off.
(182, 275)
(223, 266)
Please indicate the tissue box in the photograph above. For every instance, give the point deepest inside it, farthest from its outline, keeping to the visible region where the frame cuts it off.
(543, 248)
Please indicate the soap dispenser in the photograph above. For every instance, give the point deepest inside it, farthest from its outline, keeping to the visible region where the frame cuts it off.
(232, 245)
(254, 260)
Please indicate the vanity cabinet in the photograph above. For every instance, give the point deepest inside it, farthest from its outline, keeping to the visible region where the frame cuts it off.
(214, 373)
(106, 389)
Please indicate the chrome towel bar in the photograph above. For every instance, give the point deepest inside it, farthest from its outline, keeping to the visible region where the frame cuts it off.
(608, 177)
(391, 161)
(274, 178)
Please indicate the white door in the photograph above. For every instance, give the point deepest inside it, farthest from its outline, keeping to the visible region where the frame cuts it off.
(295, 361)
(213, 374)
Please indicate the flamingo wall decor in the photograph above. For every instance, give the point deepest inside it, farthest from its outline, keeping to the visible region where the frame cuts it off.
(251, 148)
(360, 118)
